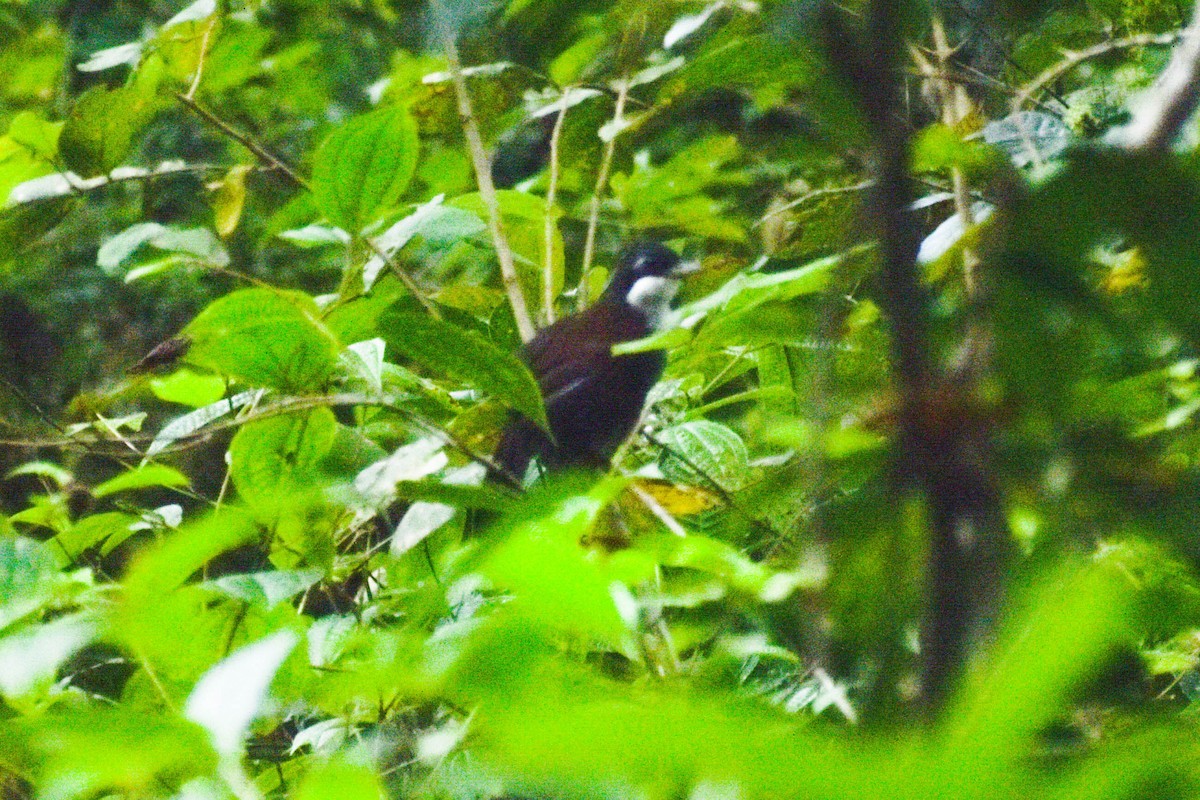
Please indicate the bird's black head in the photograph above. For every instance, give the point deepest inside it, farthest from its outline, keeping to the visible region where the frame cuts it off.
(647, 277)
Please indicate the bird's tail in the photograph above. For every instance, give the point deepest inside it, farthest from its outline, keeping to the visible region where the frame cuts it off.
(519, 443)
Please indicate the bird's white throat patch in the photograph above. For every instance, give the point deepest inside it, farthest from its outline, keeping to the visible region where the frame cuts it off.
(652, 295)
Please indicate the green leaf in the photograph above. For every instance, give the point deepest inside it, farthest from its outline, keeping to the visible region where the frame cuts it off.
(168, 565)
(364, 167)
(27, 569)
(433, 221)
(1065, 628)
(109, 528)
(555, 583)
(188, 388)
(30, 657)
(267, 589)
(199, 243)
(704, 453)
(39, 136)
(938, 148)
(1099, 194)
(231, 694)
(43, 469)
(456, 495)
(99, 132)
(465, 356)
(17, 166)
(524, 218)
(193, 421)
(89, 750)
(719, 559)
(275, 462)
(340, 779)
(140, 478)
(265, 338)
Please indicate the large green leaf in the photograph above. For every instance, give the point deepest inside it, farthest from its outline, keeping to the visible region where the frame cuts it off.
(275, 462)
(524, 216)
(365, 166)
(742, 295)
(1148, 200)
(704, 452)
(341, 779)
(166, 566)
(466, 356)
(140, 478)
(265, 338)
(555, 583)
(86, 751)
(99, 132)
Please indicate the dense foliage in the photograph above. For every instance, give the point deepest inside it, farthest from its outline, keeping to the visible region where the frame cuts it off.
(912, 513)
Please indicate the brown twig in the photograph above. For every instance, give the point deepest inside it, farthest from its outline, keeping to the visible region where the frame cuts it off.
(548, 296)
(589, 243)
(1072, 59)
(483, 176)
(409, 282)
(261, 153)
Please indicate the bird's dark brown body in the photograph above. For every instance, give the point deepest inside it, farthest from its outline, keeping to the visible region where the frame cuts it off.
(593, 398)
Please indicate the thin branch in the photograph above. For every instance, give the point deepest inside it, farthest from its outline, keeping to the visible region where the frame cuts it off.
(261, 153)
(487, 190)
(548, 296)
(272, 161)
(1072, 59)
(815, 194)
(287, 405)
(589, 244)
(191, 92)
(956, 108)
(409, 282)
(1170, 103)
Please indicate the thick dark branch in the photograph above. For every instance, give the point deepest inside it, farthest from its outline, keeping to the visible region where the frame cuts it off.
(943, 442)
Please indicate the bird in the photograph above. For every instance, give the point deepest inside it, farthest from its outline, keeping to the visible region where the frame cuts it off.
(593, 398)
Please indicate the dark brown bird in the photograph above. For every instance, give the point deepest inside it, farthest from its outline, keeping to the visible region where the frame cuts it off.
(593, 398)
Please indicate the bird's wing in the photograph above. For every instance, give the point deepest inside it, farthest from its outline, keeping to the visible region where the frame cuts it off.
(564, 356)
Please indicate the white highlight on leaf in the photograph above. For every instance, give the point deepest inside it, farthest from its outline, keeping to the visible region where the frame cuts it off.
(687, 25)
(193, 421)
(946, 235)
(552, 102)
(61, 184)
(423, 518)
(365, 359)
(201, 9)
(231, 694)
(109, 57)
(315, 235)
(484, 70)
(377, 483)
(33, 656)
(397, 236)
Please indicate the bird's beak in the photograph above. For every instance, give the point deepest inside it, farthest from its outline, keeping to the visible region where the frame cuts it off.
(685, 268)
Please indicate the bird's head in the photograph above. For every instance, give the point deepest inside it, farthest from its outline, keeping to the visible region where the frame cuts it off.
(647, 277)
